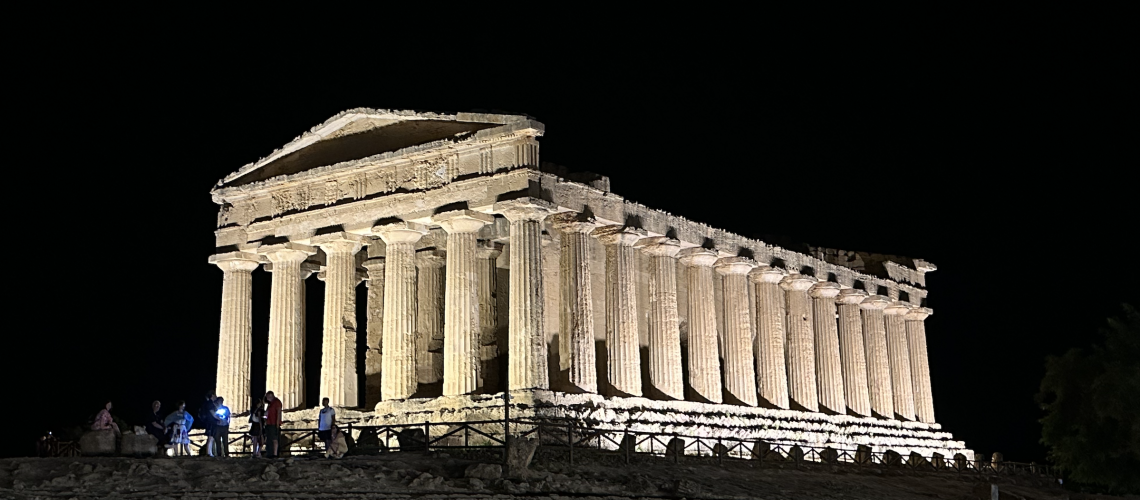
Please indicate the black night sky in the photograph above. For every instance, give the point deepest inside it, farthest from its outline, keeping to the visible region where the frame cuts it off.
(1001, 159)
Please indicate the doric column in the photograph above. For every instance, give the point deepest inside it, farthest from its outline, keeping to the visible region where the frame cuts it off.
(851, 351)
(664, 329)
(878, 365)
(235, 342)
(771, 373)
(398, 368)
(339, 321)
(526, 353)
(285, 369)
(373, 357)
(461, 339)
(486, 255)
(801, 342)
(828, 369)
(739, 363)
(899, 355)
(704, 355)
(429, 316)
(622, 345)
(576, 312)
(919, 363)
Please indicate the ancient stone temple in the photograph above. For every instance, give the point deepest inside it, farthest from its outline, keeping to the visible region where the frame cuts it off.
(487, 271)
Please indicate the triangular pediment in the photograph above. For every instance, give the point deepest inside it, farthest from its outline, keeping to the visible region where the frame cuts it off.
(362, 133)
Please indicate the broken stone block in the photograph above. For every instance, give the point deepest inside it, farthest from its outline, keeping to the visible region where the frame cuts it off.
(760, 450)
(519, 453)
(675, 449)
(796, 454)
(97, 443)
(892, 458)
(412, 439)
(960, 462)
(137, 445)
(915, 460)
(829, 456)
(484, 472)
(720, 450)
(628, 444)
(863, 454)
(938, 461)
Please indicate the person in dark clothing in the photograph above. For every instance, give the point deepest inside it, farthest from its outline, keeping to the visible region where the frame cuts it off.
(256, 421)
(156, 426)
(206, 416)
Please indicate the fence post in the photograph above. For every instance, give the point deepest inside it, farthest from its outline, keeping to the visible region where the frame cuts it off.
(570, 439)
(625, 440)
(506, 424)
(427, 436)
(717, 451)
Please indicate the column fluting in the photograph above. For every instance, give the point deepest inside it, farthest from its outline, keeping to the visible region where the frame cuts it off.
(829, 370)
(486, 255)
(373, 357)
(802, 389)
(704, 354)
(339, 320)
(622, 339)
(576, 311)
(398, 366)
(739, 361)
(878, 364)
(285, 370)
(919, 363)
(852, 353)
(430, 277)
(526, 352)
(461, 335)
(771, 371)
(664, 328)
(899, 355)
(235, 335)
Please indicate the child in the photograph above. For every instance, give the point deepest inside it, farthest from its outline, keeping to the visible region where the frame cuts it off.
(179, 422)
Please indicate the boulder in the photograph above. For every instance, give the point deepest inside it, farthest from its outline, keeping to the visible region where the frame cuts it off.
(484, 472)
(675, 449)
(760, 450)
(720, 450)
(412, 439)
(829, 456)
(863, 454)
(139, 445)
(796, 454)
(98, 443)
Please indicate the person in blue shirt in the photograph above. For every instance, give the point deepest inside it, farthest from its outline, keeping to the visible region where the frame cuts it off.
(221, 428)
(179, 422)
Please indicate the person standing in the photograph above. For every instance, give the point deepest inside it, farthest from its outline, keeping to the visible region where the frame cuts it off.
(273, 419)
(256, 420)
(222, 428)
(326, 423)
(156, 426)
(180, 421)
(206, 416)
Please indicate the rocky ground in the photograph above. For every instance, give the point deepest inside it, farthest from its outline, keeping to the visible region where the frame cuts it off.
(478, 475)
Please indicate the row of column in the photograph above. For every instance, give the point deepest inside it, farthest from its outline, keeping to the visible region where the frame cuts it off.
(868, 355)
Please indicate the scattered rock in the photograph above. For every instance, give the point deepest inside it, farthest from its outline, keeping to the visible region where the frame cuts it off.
(485, 472)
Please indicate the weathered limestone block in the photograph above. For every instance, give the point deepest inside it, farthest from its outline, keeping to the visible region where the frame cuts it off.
(852, 352)
(899, 355)
(373, 357)
(704, 355)
(520, 451)
(461, 337)
(527, 338)
(919, 363)
(675, 448)
(664, 329)
(863, 454)
(235, 337)
(802, 389)
(138, 445)
(97, 443)
(892, 458)
(285, 370)
(796, 454)
(624, 363)
(487, 254)
(399, 361)
(829, 370)
(771, 374)
(339, 320)
(429, 315)
(829, 456)
(878, 365)
(576, 312)
(739, 364)
(938, 461)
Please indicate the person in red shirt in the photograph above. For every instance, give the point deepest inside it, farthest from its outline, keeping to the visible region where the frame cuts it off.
(272, 424)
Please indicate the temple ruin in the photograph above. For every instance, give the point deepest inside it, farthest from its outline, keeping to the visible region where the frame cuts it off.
(487, 271)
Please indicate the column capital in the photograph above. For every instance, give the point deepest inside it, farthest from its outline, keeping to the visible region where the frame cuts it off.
(734, 265)
(918, 314)
(236, 261)
(374, 264)
(431, 258)
(524, 209)
(697, 257)
(896, 308)
(338, 242)
(663, 246)
(286, 252)
(797, 282)
(573, 222)
(875, 302)
(767, 274)
(619, 235)
(400, 232)
(462, 221)
(824, 290)
(487, 250)
(850, 296)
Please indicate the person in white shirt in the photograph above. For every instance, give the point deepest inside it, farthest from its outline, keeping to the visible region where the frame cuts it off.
(326, 423)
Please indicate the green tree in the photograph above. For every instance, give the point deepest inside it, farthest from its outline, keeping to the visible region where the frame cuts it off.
(1091, 400)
